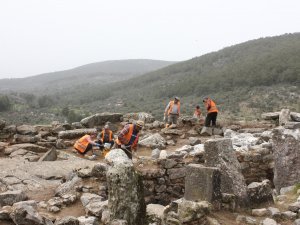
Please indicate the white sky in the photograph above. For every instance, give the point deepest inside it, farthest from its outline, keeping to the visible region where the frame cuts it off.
(39, 36)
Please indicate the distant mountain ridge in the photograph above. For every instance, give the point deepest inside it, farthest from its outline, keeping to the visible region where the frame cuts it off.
(244, 80)
(96, 73)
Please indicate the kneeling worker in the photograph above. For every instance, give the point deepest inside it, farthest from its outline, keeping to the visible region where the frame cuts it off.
(105, 136)
(128, 137)
(86, 143)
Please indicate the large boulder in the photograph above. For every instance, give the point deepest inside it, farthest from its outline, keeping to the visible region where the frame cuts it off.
(19, 138)
(219, 153)
(93, 204)
(295, 116)
(11, 197)
(183, 211)
(26, 130)
(125, 189)
(270, 116)
(203, 184)
(154, 141)
(286, 145)
(241, 139)
(71, 134)
(148, 118)
(100, 119)
(69, 220)
(25, 213)
(155, 213)
(260, 192)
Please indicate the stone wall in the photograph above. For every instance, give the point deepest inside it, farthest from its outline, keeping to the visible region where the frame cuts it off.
(257, 164)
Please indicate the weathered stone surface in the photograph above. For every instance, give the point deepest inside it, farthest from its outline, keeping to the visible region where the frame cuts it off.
(51, 155)
(203, 184)
(245, 220)
(284, 116)
(268, 221)
(93, 204)
(23, 154)
(241, 139)
(67, 187)
(260, 192)
(270, 116)
(154, 141)
(69, 220)
(288, 215)
(176, 173)
(19, 138)
(146, 117)
(26, 129)
(155, 213)
(189, 211)
(100, 119)
(294, 207)
(296, 222)
(122, 178)
(91, 220)
(295, 116)
(292, 125)
(260, 212)
(286, 150)
(118, 222)
(155, 153)
(71, 134)
(99, 170)
(25, 213)
(169, 131)
(11, 197)
(274, 213)
(29, 147)
(219, 153)
(185, 148)
(163, 154)
(194, 141)
(206, 131)
(5, 212)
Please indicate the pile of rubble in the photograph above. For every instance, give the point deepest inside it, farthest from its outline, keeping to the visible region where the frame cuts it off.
(190, 175)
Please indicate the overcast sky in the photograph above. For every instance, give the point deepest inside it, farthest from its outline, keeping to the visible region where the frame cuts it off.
(39, 36)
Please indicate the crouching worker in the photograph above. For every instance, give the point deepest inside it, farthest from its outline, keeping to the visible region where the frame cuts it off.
(128, 138)
(105, 137)
(86, 143)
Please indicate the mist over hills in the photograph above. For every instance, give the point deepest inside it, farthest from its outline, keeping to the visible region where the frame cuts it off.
(245, 80)
(94, 73)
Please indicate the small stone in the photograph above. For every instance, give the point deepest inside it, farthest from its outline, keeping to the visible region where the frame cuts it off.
(260, 212)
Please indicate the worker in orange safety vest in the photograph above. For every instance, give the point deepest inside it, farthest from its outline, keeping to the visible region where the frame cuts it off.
(128, 137)
(172, 111)
(212, 112)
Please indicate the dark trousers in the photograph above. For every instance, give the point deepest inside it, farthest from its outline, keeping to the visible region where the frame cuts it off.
(110, 142)
(88, 148)
(211, 118)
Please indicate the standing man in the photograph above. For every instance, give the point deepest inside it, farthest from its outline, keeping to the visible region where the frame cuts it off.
(105, 136)
(172, 111)
(128, 137)
(212, 112)
(86, 143)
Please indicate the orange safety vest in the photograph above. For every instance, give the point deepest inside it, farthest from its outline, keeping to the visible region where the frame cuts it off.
(109, 135)
(171, 107)
(127, 137)
(212, 104)
(82, 143)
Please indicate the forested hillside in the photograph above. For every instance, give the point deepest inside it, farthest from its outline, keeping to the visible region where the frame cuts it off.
(245, 80)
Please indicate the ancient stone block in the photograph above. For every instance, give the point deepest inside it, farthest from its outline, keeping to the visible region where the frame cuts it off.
(219, 153)
(202, 183)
